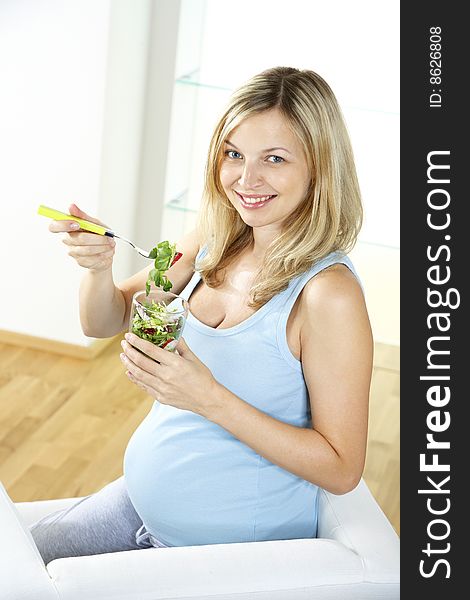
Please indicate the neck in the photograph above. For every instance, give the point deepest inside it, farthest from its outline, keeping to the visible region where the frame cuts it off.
(262, 238)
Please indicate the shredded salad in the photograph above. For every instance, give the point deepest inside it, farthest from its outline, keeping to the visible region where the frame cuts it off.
(155, 321)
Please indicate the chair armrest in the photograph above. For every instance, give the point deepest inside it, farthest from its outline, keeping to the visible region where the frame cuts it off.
(30, 512)
(356, 521)
(23, 575)
(272, 569)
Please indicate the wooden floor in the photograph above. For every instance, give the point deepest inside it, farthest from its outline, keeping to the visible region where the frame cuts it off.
(65, 423)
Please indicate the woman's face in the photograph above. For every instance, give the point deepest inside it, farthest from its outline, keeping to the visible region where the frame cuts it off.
(264, 171)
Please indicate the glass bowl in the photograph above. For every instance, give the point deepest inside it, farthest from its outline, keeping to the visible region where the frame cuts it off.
(158, 318)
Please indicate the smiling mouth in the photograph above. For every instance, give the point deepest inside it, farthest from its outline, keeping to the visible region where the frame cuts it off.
(255, 201)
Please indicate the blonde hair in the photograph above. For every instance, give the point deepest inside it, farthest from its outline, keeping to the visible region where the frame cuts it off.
(330, 216)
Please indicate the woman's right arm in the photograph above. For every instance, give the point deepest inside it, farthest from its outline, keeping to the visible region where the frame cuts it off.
(105, 306)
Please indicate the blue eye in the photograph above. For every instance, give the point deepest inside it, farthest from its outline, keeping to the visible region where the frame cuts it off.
(230, 152)
(276, 162)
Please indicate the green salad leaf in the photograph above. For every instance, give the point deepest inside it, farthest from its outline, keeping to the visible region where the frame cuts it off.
(163, 255)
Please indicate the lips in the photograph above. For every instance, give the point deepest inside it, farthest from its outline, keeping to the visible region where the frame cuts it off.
(255, 201)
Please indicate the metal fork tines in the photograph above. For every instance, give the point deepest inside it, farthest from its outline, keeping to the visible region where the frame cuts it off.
(142, 252)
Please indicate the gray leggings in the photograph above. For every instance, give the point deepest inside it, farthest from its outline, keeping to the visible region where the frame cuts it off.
(102, 522)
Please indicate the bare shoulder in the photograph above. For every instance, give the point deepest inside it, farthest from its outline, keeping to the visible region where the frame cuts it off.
(334, 293)
(333, 318)
(189, 245)
(181, 272)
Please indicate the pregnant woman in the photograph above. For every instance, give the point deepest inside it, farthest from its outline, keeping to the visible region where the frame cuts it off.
(266, 398)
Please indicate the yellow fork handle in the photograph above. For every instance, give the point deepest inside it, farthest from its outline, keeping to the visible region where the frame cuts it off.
(45, 211)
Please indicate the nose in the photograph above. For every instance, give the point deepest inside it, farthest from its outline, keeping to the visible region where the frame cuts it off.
(250, 177)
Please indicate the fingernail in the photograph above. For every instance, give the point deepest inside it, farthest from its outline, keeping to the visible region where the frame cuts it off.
(127, 336)
(123, 343)
(122, 356)
(74, 226)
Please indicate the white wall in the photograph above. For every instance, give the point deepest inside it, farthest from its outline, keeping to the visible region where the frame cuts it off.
(71, 105)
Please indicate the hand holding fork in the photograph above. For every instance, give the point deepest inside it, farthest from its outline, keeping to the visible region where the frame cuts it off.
(91, 243)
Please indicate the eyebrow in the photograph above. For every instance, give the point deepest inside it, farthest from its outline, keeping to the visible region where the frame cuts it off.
(265, 150)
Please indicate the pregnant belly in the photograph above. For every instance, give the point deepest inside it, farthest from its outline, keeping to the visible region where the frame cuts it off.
(190, 481)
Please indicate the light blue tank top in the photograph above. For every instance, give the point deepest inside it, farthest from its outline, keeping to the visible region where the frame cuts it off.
(194, 483)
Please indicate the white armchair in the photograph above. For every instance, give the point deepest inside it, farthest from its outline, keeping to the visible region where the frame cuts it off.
(356, 556)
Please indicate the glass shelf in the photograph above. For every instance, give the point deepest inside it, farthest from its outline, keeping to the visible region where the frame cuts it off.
(179, 217)
(193, 79)
(180, 203)
(195, 109)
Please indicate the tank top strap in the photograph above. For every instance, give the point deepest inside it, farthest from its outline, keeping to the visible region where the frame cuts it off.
(293, 291)
(188, 290)
(201, 253)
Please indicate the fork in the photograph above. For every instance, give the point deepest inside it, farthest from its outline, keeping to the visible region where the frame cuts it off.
(45, 211)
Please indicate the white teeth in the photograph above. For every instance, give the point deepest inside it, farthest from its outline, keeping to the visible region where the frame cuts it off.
(255, 200)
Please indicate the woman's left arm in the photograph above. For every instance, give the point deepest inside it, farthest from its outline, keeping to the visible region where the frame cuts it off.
(336, 347)
(336, 355)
